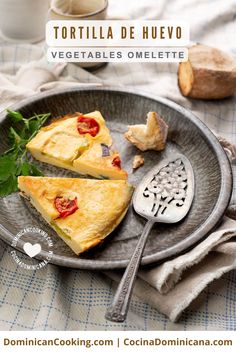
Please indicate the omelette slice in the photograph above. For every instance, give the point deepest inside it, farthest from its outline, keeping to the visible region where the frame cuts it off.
(81, 143)
(82, 211)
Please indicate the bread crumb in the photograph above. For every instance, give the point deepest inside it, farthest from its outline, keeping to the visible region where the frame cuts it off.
(138, 161)
(151, 136)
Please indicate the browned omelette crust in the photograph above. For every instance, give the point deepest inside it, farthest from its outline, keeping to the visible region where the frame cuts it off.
(102, 204)
(61, 144)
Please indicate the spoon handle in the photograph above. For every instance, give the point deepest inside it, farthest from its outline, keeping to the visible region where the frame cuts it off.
(117, 312)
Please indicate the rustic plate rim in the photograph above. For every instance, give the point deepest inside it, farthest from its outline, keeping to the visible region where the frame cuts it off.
(194, 238)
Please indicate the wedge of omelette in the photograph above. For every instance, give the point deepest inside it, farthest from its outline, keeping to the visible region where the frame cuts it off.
(82, 211)
(81, 143)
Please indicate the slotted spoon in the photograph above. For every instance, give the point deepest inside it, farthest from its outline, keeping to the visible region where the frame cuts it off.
(164, 195)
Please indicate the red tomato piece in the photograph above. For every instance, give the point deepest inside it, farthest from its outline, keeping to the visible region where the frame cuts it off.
(65, 206)
(87, 125)
(116, 162)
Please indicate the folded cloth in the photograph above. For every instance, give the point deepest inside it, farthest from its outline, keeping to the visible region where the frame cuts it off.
(36, 76)
(172, 286)
(169, 287)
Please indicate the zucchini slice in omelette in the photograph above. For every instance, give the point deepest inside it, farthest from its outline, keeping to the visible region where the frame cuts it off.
(81, 143)
(82, 211)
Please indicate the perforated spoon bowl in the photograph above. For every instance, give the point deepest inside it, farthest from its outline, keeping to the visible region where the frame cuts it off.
(164, 195)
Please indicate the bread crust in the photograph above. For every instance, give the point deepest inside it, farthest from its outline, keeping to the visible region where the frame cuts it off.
(209, 73)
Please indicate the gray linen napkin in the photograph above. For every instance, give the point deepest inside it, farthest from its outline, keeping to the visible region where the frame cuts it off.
(169, 287)
(172, 286)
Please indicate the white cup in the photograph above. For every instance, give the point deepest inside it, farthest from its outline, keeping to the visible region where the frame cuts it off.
(79, 10)
(23, 20)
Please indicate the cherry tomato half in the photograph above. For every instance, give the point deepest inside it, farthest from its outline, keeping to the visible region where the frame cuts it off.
(87, 125)
(65, 206)
(116, 162)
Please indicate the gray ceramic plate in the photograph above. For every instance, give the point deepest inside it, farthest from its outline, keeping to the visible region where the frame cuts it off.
(187, 135)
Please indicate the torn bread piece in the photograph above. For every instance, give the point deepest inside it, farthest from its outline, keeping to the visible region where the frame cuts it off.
(138, 161)
(151, 136)
(81, 211)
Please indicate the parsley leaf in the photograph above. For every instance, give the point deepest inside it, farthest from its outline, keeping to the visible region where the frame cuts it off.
(14, 162)
(14, 116)
(7, 167)
(25, 169)
(35, 171)
(9, 186)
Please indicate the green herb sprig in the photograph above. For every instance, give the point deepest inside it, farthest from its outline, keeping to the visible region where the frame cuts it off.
(15, 162)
